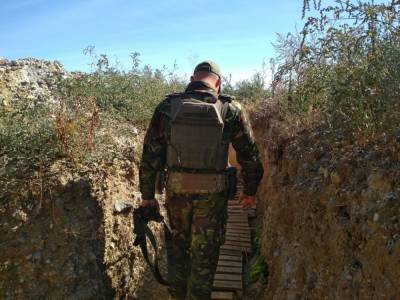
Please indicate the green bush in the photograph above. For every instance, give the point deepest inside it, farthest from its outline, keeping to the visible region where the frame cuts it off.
(110, 100)
(131, 94)
(28, 145)
(343, 68)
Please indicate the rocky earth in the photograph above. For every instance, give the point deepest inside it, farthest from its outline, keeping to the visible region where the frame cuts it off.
(330, 213)
(30, 79)
(71, 235)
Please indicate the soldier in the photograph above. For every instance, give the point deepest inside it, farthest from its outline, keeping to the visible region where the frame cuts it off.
(189, 137)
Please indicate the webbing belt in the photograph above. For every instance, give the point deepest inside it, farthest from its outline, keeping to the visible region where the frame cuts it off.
(194, 183)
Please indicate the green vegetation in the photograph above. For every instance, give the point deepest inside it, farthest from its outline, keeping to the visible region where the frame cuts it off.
(257, 268)
(28, 145)
(342, 69)
(94, 109)
(131, 94)
(250, 90)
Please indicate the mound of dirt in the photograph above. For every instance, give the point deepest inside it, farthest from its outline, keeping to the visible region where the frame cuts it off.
(30, 79)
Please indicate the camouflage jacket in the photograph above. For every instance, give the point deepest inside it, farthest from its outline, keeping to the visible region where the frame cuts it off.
(237, 130)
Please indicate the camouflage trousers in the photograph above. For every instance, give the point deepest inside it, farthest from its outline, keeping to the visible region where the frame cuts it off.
(198, 229)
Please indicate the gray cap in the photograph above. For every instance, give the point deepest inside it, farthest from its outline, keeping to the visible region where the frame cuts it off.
(208, 66)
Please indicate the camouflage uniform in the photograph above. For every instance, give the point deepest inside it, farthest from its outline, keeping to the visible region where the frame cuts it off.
(197, 220)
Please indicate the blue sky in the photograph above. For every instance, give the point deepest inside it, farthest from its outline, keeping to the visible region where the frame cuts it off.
(236, 33)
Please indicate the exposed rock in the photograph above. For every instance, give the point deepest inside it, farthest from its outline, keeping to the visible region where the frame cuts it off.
(20, 215)
(122, 207)
(30, 79)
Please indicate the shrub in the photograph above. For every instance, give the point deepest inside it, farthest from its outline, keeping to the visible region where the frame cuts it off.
(28, 145)
(131, 94)
(343, 67)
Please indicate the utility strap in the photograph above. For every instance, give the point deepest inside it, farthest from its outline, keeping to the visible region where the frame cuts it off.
(143, 246)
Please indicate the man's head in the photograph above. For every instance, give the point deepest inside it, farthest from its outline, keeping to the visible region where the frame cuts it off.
(208, 72)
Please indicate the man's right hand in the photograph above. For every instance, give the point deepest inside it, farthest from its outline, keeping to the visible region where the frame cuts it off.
(248, 201)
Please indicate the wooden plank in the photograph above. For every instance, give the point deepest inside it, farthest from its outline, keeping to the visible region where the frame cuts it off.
(239, 231)
(228, 277)
(217, 295)
(228, 285)
(238, 243)
(237, 213)
(238, 220)
(237, 248)
(238, 227)
(239, 234)
(224, 263)
(236, 210)
(238, 224)
(235, 206)
(238, 216)
(230, 257)
(246, 241)
(230, 252)
(229, 270)
(238, 237)
(235, 221)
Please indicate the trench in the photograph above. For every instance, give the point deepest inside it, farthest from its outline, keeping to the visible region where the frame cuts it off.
(328, 218)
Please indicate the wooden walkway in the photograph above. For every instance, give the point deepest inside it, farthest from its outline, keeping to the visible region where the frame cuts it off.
(228, 280)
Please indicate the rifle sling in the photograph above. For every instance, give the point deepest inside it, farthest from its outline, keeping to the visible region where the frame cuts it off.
(143, 246)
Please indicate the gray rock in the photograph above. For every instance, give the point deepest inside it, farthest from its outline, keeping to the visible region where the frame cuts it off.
(121, 207)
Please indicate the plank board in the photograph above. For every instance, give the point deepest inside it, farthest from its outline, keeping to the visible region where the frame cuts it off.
(222, 295)
(240, 216)
(228, 277)
(245, 230)
(229, 270)
(237, 233)
(231, 241)
(237, 237)
(224, 263)
(230, 252)
(238, 227)
(238, 243)
(239, 221)
(230, 257)
(228, 285)
(237, 248)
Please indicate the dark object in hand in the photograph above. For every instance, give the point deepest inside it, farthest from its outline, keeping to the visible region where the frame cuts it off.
(141, 216)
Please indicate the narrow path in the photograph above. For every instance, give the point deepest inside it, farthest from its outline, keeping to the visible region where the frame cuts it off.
(228, 281)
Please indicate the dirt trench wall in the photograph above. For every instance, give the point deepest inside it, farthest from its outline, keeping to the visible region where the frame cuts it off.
(73, 243)
(330, 216)
(54, 250)
(61, 235)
